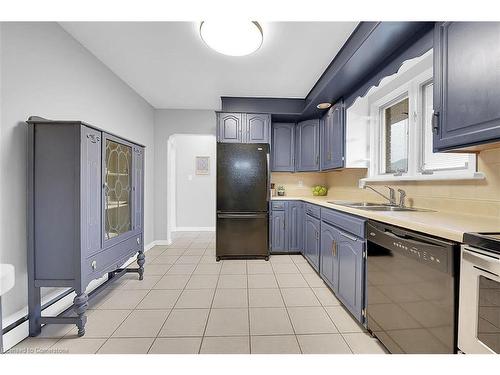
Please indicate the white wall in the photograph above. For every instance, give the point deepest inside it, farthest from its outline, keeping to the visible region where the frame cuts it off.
(194, 194)
(45, 72)
(169, 122)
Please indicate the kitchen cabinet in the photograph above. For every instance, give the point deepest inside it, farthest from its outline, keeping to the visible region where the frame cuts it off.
(332, 137)
(295, 225)
(257, 128)
(287, 223)
(243, 127)
(230, 127)
(278, 232)
(466, 86)
(90, 184)
(312, 240)
(350, 266)
(328, 256)
(307, 146)
(283, 147)
(342, 258)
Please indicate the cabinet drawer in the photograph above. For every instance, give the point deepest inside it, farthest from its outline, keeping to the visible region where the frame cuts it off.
(111, 258)
(278, 206)
(313, 210)
(349, 223)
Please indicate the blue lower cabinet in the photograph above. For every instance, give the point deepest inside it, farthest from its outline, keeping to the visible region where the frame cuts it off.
(311, 241)
(287, 226)
(278, 237)
(328, 256)
(294, 225)
(350, 291)
(342, 258)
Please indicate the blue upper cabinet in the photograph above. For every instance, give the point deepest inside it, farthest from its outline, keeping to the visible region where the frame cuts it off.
(333, 137)
(258, 128)
(243, 127)
(283, 147)
(307, 146)
(230, 127)
(466, 85)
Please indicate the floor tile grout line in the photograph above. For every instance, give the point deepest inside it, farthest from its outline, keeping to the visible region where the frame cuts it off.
(210, 309)
(175, 303)
(171, 309)
(248, 312)
(288, 313)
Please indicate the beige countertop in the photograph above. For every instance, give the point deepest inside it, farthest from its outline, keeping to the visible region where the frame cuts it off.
(451, 226)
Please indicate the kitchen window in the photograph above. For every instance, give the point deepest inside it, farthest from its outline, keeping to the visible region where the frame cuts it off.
(401, 137)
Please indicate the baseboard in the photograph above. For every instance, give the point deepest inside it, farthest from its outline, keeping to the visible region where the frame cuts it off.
(21, 332)
(194, 229)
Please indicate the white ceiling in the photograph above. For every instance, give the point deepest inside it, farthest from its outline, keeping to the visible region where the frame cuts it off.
(168, 64)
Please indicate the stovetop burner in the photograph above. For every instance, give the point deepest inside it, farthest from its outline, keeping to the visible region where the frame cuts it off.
(487, 241)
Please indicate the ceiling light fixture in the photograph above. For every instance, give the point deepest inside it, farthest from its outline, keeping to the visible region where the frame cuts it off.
(324, 105)
(232, 38)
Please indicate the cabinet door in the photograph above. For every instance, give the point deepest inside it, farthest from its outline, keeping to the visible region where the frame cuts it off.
(307, 146)
(138, 188)
(350, 273)
(229, 127)
(311, 243)
(283, 147)
(91, 190)
(294, 225)
(257, 129)
(278, 238)
(333, 138)
(466, 84)
(118, 189)
(328, 258)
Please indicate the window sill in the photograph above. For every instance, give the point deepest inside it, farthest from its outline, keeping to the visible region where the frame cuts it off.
(429, 177)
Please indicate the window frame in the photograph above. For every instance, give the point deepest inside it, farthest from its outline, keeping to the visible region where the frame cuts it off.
(413, 89)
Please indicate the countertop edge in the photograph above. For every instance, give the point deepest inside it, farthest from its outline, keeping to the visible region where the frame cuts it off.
(452, 225)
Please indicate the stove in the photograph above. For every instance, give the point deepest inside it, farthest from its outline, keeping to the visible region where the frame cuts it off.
(489, 241)
(479, 311)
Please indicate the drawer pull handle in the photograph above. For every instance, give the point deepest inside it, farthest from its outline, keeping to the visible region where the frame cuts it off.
(348, 237)
(94, 265)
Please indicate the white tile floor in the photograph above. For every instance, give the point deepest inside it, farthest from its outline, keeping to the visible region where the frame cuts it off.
(189, 303)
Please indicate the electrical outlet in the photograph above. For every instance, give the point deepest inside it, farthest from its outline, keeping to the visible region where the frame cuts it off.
(301, 183)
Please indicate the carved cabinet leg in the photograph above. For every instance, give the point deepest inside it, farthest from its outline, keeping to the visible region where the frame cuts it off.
(141, 259)
(81, 305)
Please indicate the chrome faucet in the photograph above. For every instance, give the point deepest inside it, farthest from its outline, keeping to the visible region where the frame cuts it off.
(402, 196)
(392, 194)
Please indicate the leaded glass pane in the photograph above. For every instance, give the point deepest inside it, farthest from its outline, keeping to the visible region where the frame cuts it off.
(117, 189)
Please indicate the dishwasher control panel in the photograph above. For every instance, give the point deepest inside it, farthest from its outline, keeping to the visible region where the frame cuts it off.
(427, 250)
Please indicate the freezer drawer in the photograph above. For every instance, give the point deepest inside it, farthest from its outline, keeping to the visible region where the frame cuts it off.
(242, 235)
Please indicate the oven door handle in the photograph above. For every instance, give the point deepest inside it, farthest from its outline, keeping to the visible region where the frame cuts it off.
(488, 264)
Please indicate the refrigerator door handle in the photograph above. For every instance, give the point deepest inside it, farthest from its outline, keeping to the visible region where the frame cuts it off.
(268, 179)
(241, 216)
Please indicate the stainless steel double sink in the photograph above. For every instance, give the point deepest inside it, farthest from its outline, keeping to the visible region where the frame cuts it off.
(368, 206)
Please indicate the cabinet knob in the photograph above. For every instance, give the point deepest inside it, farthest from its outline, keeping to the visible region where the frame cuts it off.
(94, 265)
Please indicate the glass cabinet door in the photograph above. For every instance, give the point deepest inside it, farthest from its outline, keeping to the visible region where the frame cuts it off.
(117, 189)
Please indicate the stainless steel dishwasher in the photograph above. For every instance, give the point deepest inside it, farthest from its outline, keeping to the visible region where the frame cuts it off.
(412, 290)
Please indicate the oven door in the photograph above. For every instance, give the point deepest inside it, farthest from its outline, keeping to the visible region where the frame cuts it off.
(479, 312)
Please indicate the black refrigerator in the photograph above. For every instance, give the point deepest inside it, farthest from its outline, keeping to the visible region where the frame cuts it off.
(242, 201)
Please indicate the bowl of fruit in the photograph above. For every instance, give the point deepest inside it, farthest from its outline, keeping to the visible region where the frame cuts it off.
(319, 191)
